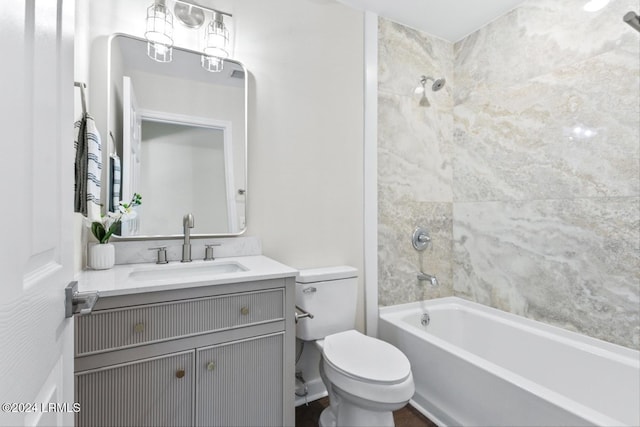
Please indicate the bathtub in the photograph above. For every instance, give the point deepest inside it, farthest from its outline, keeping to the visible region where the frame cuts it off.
(477, 366)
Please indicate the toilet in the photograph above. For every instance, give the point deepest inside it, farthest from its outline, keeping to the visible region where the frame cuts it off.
(366, 378)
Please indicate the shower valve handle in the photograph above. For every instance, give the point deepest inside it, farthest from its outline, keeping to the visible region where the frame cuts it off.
(420, 239)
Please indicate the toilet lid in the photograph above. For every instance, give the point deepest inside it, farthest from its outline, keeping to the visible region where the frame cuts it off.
(366, 358)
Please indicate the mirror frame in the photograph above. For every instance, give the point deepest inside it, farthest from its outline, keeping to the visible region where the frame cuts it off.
(110, 110)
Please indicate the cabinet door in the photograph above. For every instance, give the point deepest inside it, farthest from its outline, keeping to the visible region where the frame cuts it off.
(149, 392)
(241, 383)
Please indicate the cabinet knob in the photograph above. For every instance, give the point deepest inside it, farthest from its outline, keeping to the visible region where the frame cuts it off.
(244, 311)
(180, 373)
(138, 327)
(211, 366)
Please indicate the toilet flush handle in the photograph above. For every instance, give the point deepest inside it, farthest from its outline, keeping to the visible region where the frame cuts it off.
(309, 290)
(302, 315)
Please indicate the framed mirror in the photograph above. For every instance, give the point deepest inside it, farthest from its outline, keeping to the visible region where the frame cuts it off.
(179, 137)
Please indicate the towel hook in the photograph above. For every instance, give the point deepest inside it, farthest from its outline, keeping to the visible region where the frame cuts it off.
(83, 99)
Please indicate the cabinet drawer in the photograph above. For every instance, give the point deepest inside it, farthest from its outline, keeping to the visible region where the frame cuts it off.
(132, 326)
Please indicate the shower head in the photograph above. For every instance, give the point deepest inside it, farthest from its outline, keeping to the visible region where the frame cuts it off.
(632, 19)
(421, 89)
(438, 84)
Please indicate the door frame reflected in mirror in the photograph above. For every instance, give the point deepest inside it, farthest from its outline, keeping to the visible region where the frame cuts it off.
(223, 212)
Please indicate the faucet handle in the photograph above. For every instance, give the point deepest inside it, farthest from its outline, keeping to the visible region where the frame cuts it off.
(162, 254)
(208, 252)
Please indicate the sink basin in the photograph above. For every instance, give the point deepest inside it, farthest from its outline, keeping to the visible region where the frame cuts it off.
(186, 271)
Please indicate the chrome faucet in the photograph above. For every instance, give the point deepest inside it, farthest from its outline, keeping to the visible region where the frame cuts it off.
(187, 222)
(428, 277)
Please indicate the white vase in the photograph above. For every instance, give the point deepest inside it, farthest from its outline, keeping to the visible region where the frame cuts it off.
(101, 256)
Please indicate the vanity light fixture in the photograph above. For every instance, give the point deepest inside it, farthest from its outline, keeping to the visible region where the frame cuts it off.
(159, 32)
(216, 44)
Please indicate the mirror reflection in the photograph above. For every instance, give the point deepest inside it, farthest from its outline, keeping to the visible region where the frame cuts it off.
(180, 134)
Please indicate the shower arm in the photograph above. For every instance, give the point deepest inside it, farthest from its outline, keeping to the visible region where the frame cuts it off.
(425, 79)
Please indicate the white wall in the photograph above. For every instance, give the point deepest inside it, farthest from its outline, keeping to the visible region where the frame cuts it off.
(305, 129)
(305, 62)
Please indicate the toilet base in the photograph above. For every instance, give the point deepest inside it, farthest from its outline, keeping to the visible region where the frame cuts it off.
(354, 416)
(326, 418)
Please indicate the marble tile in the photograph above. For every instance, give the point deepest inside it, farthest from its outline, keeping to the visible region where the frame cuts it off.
(570, 133)
(570, 263)
(414, 164)
(416, 141)
(399, 263)
(527, 169)
(538, 37)
(405, 54)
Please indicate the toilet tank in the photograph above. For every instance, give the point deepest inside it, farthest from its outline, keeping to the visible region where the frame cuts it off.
(330, 294)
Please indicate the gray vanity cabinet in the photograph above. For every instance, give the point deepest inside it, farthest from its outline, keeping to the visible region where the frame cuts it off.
(208, 356)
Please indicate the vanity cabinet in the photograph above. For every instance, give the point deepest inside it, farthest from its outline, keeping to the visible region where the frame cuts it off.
(208, 356)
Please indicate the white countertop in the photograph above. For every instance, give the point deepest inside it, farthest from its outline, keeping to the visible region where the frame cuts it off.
(117, 281)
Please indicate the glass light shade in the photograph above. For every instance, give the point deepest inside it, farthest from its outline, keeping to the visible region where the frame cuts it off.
(216, 42)
(159, 25)
(159, 52)
(212, 63)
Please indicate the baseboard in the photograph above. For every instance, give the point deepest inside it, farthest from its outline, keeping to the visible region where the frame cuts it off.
(427, 414)
(315, 391)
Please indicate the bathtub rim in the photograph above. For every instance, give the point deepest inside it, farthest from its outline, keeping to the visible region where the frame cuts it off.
(621, 353)
(395, 315)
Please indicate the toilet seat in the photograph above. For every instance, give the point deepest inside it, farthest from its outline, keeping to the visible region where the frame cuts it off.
(367, 368)
(365, 358)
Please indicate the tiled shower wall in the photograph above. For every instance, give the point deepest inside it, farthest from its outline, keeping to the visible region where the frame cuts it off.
(525, 168)
(415, 153)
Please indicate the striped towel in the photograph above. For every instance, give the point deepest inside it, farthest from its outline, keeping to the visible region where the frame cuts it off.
(116, 177)
(88, 168)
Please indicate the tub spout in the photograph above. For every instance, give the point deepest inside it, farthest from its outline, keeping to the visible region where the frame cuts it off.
(428, 277)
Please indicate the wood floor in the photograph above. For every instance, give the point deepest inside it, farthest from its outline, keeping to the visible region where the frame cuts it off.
(307, 416)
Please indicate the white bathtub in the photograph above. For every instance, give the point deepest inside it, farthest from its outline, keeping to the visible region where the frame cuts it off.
(477, 366)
